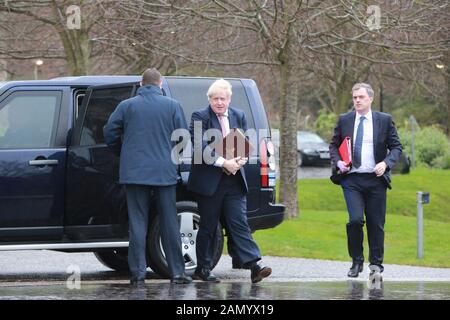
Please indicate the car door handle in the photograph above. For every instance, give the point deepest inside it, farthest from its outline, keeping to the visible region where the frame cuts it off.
(45, 162)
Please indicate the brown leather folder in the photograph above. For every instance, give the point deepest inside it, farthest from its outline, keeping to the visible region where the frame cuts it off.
(234, 145)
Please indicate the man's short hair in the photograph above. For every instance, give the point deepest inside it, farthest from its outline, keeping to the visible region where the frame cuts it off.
(151, 76)
(366, 86)
(217, 85)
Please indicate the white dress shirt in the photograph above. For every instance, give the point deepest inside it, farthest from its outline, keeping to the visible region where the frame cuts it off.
(367, 156)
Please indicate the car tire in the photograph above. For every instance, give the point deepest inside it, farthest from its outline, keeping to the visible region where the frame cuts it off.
(116, 259)
(189, 218)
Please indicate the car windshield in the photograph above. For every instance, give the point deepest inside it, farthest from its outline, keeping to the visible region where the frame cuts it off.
(309, 137)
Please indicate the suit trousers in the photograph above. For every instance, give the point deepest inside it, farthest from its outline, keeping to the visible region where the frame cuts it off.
(138, 201)
(230, 203)
(365, 193)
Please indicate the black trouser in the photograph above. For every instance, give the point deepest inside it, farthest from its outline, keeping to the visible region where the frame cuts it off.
(365, 193)
(229, 201)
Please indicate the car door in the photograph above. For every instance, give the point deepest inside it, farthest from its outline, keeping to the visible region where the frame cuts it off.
(96, 207)
(32, 162)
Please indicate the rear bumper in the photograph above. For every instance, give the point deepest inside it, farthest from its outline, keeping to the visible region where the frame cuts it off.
(269, 217)
(316, 161)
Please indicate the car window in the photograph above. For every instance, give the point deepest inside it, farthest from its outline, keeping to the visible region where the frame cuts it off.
(102, 103)
(191, 94)
(28, 119)
(309, 137)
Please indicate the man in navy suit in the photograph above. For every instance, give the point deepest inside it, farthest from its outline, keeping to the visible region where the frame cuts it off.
(376, 149)
(220, 185)
(140, 130)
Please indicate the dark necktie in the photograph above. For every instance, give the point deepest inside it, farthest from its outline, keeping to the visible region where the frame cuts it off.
(358, 143)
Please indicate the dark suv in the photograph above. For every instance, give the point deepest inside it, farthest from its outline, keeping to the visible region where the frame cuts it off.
(59, 181)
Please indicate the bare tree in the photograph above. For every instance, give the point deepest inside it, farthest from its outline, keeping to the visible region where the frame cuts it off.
(54, 29)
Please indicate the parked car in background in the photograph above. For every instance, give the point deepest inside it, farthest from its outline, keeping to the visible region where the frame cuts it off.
(312, 150)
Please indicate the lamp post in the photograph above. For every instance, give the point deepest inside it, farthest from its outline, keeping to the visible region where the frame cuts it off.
(37, 64)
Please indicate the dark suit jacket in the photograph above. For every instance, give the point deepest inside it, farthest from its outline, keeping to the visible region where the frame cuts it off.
(386, 143)
(204, 178)
(140, 130)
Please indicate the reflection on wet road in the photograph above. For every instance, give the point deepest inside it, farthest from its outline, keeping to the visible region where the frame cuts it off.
(162, 290)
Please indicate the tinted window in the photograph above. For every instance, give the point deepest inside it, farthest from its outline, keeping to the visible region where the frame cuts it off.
(191, 93)
(309, 137)
(28, 119)
(102, 103)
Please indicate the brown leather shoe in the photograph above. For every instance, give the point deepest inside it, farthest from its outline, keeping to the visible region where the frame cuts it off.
(259, 273)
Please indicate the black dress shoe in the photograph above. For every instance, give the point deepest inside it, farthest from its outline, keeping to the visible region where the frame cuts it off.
(258, 273)
(236, 265)
(181, 279)
(137, 282)
(355, 270)
(205, 275)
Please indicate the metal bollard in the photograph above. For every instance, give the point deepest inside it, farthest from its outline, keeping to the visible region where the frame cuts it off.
(422, 197)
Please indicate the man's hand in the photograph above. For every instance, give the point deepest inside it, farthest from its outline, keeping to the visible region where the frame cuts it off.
(342, 166)
(232, 165)
(380, 168)
(242, 161)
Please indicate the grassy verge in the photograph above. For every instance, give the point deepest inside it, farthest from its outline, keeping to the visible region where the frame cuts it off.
(321, 235)
(322, 195)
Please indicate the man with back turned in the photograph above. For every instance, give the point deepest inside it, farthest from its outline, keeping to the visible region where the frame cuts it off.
(140, 131)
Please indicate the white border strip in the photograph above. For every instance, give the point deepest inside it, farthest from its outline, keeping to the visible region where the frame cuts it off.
(56, 246)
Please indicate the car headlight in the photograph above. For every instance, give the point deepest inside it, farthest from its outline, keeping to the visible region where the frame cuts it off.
(309, 151)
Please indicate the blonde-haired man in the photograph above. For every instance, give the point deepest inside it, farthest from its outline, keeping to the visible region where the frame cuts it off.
(220, 187)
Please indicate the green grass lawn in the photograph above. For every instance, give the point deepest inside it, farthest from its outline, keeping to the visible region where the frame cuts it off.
(319, 231)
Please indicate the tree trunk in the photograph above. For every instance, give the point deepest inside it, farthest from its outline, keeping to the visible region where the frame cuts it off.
(76, 43)
(447, 78)
(288, 135)
(77, 47)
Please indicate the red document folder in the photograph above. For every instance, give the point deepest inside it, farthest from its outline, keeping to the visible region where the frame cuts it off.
(345, 151)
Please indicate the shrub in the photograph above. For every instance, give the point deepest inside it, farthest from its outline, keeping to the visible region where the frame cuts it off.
(325, 123)
(431, 146)
(442, 162)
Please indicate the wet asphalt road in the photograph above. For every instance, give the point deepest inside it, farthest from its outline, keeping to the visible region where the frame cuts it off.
(115, 290)
(313, 172)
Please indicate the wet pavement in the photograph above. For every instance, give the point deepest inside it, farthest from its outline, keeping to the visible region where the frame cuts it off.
(121, 290)
(51, 275)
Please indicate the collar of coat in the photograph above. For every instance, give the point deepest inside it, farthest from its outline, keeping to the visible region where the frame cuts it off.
(149, 89)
